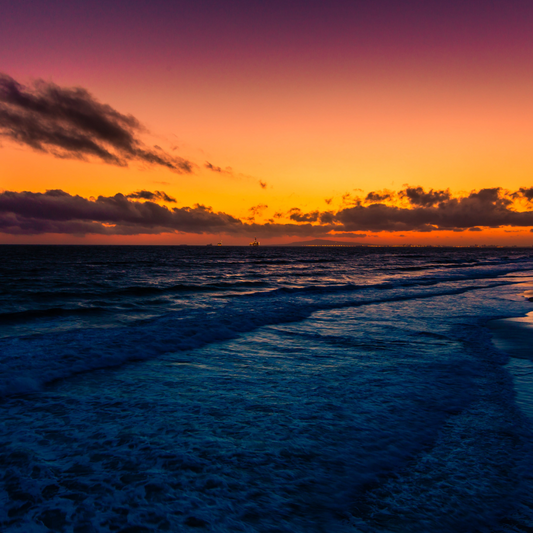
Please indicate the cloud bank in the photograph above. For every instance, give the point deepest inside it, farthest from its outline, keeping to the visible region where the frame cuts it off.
(436, 211)
(55, 211)
(71, 123)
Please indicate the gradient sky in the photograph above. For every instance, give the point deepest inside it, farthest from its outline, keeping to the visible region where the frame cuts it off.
(317, 100)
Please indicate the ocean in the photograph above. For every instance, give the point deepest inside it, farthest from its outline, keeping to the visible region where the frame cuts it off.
(264, 389)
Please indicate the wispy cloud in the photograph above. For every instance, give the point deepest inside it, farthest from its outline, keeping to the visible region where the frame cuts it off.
(71, 123)
(257, 210)
(220, 170)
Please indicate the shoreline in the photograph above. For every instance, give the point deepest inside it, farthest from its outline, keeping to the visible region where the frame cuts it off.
(514, 336)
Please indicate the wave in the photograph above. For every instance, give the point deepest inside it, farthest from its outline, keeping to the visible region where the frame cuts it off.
(208, 287)
(430, 279)
(389, 284)
(142, 290)
(27, 363)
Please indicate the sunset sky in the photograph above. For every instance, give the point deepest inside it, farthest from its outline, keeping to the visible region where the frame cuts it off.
(382, 122)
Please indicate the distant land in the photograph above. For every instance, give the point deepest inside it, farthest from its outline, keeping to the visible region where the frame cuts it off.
(323, 242)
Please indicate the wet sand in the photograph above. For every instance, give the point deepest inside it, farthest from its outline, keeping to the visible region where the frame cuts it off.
(514, 336)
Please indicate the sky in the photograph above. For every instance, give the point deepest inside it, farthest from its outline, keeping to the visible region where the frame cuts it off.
(181, 122)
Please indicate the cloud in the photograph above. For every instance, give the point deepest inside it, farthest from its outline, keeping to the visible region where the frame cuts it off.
(156, 195)
(212, 167)
(71, 123)
(220, 170)
(487, 208)
(297, 215)
(349, 200)
(417, 196)
(201, 207)
(523, 192)
(56, 211)
(257, 210)
(59, 212)
(378, 196)
(327, 217)
(269, 230)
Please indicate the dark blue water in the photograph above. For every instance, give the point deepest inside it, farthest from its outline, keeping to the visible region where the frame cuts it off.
(260, 389)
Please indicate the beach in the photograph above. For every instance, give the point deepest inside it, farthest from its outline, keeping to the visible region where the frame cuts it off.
(255, 390)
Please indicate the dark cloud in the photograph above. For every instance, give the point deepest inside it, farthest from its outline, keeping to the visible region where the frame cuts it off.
(523, 192)
(327, 217)
(495, 196)
(55, 211)
(269, 230)
(376, 196)
(487, 208)
(71, 123)
(148, 195)
(220, 170)
(59, 212)
(258, 209)
(297, 215)
(212, 167)
(201, 207)
(417, 196)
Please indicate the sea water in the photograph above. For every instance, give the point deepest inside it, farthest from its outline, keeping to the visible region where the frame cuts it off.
(262, 389)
